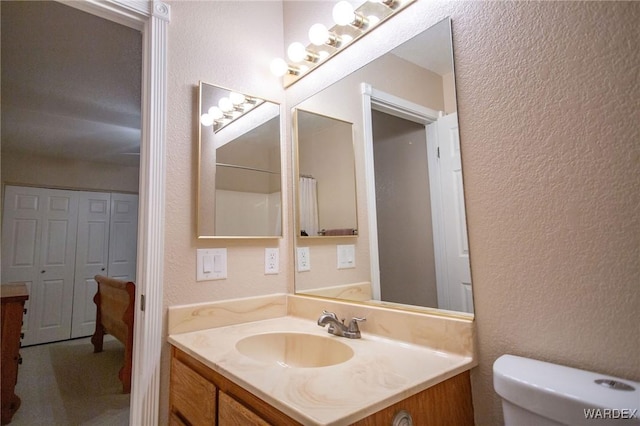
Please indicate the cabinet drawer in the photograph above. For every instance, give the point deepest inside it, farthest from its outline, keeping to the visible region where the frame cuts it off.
(232, 413)
(193, 398)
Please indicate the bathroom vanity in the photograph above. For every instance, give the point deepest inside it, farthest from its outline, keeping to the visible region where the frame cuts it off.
(200, 395)
(286, 370)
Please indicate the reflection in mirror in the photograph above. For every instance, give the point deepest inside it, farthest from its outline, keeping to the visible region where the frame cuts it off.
(404, 112)
(326, 176)
(239, 180)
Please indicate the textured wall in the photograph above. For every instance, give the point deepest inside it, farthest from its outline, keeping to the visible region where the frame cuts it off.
(548, 100)
(222, 43)
(548, 105)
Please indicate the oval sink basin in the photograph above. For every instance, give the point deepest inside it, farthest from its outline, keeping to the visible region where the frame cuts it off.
(295, 349)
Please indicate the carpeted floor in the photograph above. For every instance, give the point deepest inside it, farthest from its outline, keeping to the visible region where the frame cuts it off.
(65, 383)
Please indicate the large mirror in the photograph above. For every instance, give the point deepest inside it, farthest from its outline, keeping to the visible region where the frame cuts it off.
(412, 252)
(239, 172)
(326, 185)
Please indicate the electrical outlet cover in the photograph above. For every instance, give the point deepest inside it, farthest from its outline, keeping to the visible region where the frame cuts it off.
(271, 261)
(304, 259)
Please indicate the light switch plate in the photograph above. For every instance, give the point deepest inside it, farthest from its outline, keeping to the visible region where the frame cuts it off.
(211, 264)
(346, 255)
(271, 261)
(304, 259)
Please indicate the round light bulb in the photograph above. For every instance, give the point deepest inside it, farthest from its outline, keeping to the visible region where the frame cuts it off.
(225, 104)
(318, 34)
(279, 67)
(343, 13)
(323, 54)
(215, 113)
(206, 120)
(296, 51)
(236, 98)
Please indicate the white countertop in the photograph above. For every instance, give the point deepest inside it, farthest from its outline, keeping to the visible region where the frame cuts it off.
(381, 372)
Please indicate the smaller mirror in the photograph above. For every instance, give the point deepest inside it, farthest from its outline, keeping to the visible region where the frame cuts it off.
(326, 176)
(239, 176)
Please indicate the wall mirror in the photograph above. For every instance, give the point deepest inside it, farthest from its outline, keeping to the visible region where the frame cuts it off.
(412, 250)
(239, 172)
(326, 186)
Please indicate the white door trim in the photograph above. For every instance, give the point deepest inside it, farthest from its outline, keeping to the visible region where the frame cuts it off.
(373, 99)
(152, 19)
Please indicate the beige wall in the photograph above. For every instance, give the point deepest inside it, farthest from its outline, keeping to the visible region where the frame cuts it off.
(22, 169)
(222, 43)
(547, 96)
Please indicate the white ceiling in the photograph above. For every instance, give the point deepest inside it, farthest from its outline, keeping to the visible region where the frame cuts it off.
(71, 84)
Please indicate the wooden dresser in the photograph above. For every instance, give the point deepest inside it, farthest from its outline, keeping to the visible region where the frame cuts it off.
(13, 298)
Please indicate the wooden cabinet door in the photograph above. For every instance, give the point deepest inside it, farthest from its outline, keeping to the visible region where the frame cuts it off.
(232, 413)
(192, 397)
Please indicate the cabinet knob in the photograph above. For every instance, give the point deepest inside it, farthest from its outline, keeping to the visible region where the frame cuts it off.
(402, 418)
(43, 271)
(103, 269)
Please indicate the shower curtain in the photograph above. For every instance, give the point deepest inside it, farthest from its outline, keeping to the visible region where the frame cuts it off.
(309, 206)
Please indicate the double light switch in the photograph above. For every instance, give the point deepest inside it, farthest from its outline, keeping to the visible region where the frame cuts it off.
(211, 264)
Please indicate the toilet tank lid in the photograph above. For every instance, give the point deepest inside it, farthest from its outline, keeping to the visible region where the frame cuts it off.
(559, 392)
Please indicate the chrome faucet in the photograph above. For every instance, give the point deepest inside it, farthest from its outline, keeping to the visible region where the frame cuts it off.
(338, 327)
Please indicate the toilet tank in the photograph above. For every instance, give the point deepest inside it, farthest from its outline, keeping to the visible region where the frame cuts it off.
(540, 393)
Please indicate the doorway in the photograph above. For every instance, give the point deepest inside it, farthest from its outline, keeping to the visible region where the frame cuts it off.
(68, 105)
(427, 250)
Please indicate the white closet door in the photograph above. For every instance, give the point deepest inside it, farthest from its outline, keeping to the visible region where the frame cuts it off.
(21, 228)
(39, 241)
(455, 224)
(92, 257)
(123, 236)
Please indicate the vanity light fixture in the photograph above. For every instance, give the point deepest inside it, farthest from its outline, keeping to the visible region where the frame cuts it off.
(350, 25)
(228, 109)
(345, 14)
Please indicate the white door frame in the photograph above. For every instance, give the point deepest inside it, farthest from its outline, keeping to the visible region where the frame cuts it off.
(152, 19)
(373, 99)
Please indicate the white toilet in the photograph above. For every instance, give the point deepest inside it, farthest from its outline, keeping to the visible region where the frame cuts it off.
(536, 393)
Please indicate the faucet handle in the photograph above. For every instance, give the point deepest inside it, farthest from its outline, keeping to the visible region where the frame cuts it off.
(331, 314)
(353, 325)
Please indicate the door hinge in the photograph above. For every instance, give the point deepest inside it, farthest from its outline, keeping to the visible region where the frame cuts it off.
(142, 302)
(438, 151)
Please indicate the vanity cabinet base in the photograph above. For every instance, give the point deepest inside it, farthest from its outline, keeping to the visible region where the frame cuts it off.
(200, 396)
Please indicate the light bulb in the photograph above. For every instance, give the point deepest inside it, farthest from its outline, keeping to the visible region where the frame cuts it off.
(343, 13)
(318, 34)
(323, 54)
(346, 38)
(236, 98)
(279, 67)
(296, 51)
(215, 113)
(225, 104)
(206, 120)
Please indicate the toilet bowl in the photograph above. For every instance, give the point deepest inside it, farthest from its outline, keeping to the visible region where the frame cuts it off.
(538, 393)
